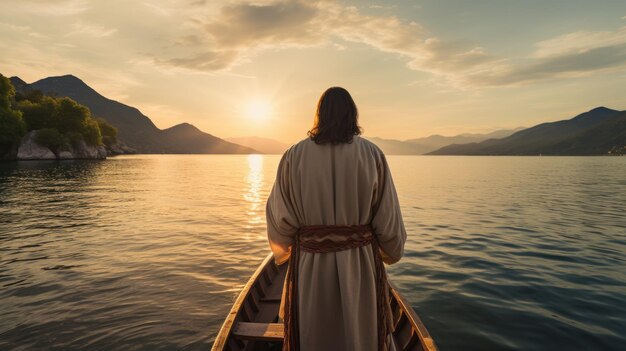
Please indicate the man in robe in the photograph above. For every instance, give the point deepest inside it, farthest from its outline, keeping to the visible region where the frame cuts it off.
(336, 179)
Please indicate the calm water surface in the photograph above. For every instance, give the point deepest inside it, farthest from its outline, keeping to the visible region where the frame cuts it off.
(149, 252)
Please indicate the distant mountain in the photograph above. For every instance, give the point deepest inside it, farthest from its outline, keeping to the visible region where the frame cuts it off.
(185, 138)
(134, 128)
(595, 132)
(18, 83)
(398, 147)
(420, 146)
(264, 145)
(437, 141)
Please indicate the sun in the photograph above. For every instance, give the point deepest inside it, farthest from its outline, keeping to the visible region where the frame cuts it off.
(258, 109)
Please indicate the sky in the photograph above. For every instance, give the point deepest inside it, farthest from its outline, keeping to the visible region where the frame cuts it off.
(414, 68)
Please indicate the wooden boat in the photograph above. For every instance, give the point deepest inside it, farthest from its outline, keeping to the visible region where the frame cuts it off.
(253, 324)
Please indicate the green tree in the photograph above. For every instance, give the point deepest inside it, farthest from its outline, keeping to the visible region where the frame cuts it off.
(71, 116)
(109, 133)
(52, 139)
(41, 114)
(7, 92)
(91, 132)
(12, 126)
(62, 120)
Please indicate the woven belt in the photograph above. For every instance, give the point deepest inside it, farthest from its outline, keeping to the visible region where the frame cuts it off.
(326, 238)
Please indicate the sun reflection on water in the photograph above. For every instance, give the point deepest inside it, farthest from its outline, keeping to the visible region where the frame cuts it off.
(256, 210)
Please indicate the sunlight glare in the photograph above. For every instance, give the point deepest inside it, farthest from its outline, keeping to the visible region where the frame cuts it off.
(258, 109)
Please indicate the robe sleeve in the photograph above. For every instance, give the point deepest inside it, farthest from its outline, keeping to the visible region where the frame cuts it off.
(387, 219)
(282, 223)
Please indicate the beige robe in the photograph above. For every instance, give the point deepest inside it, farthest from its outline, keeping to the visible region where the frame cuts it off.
(344, 184)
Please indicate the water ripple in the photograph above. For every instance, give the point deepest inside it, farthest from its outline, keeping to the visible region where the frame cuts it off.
(149, 252)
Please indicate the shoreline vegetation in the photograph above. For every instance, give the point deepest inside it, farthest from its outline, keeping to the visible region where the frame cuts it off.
(34, 126)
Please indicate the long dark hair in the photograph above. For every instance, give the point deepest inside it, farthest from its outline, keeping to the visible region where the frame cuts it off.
(336, 119)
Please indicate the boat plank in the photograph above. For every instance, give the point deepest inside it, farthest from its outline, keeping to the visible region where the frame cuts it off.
(259, 331)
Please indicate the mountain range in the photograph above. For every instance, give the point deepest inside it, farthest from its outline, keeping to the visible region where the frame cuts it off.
(134, 128)
(599, 131)
(420, 146)
(417, 146)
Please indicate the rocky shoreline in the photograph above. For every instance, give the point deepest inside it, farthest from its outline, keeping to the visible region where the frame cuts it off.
(29, 149)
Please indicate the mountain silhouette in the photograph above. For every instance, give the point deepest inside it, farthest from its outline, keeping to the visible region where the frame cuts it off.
(420, 146)
(595, 132)
(134, 128)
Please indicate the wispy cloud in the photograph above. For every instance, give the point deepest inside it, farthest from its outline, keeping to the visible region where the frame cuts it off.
(383, 7)
(573, 54)
(204, 61)
(241, 29)
(21, 29)
(156, 8)
(91, 30)
(50, 7)
(560, 66)
(15, 27)
(213, 37)
(238, 30)
(579, 42)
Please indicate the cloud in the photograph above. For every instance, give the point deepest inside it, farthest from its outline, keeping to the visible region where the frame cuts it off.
(156, 8)
(579, 42)
(383, 7)
(240, 29)
(91, 30)
(21, 29)
(573, 54)
(50, 7)
(561, 66)
(224, 36)
(243, 25)
(15, 27)
(207, 61)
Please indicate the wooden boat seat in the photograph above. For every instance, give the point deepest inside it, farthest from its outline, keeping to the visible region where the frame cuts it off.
(258, 331)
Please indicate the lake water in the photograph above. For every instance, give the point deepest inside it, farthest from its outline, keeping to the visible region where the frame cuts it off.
(149, 252)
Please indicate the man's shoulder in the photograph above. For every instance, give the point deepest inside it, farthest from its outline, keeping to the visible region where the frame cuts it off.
(298, 147)
(366, 143)
(357, 141)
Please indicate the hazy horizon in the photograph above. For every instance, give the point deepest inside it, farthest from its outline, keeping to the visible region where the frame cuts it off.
(242, 68)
